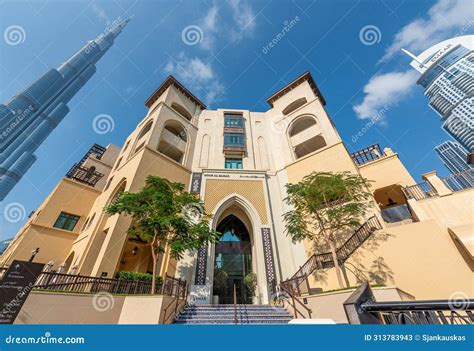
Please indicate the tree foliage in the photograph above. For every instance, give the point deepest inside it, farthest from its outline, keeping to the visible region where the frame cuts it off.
(325, 206)
(165, 215)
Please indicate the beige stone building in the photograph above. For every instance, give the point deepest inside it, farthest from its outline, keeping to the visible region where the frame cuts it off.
(239, 162)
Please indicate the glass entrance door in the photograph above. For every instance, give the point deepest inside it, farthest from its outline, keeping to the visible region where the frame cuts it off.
(233, 261)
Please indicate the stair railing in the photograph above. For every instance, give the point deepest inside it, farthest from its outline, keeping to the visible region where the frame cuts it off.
(324, 260)
(294, 300)
(235, 305)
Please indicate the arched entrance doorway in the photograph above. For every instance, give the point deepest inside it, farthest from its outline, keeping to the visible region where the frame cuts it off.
(232, 262)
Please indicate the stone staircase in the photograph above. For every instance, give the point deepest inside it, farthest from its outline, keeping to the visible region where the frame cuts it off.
(225, 314)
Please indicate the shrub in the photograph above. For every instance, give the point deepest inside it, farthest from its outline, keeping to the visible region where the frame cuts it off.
(138, 276)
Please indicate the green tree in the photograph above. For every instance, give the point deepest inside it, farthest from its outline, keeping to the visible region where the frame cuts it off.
(325, 206)
(165, 215)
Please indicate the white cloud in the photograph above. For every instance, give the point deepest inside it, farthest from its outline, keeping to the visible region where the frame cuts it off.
(241, 25)
(244, 18)
(209, 27)
(100, 13)
(444, 18)
(198, 76)
(384, 90)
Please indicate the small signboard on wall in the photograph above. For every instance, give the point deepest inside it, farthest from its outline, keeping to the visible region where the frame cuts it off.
(196, 181)
(15, 287)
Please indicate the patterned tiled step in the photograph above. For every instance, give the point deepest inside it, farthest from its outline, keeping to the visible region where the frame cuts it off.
(225, 314)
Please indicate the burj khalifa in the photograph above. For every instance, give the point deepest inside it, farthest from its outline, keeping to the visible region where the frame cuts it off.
(30, 116)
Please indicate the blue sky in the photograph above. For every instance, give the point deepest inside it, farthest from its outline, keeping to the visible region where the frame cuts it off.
(231, 66)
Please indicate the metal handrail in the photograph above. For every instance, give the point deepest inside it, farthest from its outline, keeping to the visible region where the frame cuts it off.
(324, 260)
(176, 300)
(362, 308)
(235, 306)
(295, 309)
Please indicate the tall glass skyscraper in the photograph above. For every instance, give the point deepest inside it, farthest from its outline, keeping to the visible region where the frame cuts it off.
(453, 155)
(447, 74)
(30, 116)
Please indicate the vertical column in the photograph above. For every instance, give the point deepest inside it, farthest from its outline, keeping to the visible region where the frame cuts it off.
(201, 264)
(269, 263)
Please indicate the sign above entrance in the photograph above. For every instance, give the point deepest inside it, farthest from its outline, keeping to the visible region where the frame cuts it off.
(234, 175)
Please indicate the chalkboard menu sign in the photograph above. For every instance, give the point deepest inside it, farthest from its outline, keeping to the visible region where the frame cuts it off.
(15, 287)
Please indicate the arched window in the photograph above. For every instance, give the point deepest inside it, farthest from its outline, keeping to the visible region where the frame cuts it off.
(116, 193)
(181, 110)
(305, 136)
(173, 141)
(294, 105)
(139, 141)
(301, 124)
(309, 146)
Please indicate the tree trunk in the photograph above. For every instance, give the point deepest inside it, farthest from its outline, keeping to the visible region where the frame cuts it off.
(332, 245)
(155, 261)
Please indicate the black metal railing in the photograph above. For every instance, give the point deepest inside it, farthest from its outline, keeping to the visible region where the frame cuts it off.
(87, 175)
(361, 308)
(63, 282)
(460, 181)
(295, 286)
(419, 191)
(367, 154)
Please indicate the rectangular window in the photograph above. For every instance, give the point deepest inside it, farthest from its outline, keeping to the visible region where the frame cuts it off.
(233, 163)
(233, 121)
(66, 221)
(234, 139)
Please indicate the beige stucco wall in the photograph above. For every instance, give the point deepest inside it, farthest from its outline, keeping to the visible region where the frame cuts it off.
(101, 308)
(53, 243)
(330, 305)
(422, 258)
(386, 171)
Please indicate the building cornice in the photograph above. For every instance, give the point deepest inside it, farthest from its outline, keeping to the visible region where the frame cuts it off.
(305, 77)
(170, 80)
